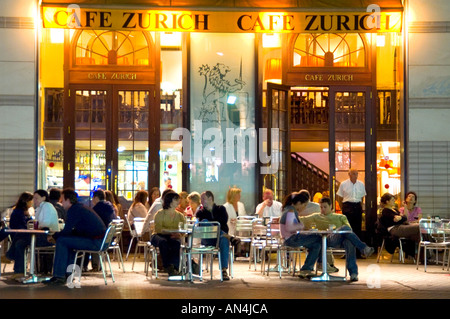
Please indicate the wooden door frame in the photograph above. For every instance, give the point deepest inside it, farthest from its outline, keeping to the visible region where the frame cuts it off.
(285, 88)
(370, 178)
(112, 132)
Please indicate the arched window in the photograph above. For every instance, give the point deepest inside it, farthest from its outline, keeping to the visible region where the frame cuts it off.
(329, 50)
(100, 47)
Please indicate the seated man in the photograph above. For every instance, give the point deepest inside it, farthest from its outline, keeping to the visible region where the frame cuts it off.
(83, 229)
(347, 240)
(105, 210)
(312, 207)
(212, 212)
(269, 207)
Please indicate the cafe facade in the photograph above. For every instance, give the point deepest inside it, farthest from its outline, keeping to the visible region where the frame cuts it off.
(208, 95)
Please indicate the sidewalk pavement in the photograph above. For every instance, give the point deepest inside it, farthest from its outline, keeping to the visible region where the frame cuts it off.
(384, 280)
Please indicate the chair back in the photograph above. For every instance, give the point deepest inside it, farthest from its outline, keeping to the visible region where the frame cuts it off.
(108, 238)
(434, 229)
(119, 224)
(138, 223)
(259, 230)
(131, 229)
(273, 234)
(244, 227)
(206, 230)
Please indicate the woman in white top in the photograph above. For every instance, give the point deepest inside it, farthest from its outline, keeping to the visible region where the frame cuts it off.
(234, 208)
(45, 213)
(47, 217)
(194, 205)
(137, 209)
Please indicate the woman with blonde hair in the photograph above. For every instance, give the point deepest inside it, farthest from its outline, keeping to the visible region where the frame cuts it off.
(194, 204)
(234, 208)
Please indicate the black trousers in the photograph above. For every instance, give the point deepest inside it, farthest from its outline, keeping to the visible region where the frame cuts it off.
(353, 212)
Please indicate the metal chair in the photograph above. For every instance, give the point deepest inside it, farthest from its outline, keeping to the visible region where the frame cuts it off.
(8, 239)
(102, 253)
(151, 255)
(0, 260)
(43, 250)
(401, 254)
(115, 245)
(140, 242)
(259, 231)
(290, 255)
(273, 243)
(433, 236)
(134, 231)
(203, 231)
(243, 229)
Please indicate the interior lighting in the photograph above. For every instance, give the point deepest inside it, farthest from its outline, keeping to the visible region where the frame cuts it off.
(171, 39)
(271, 40)
(273, 70)
(381, 40)
(231, 99)
(57, 35)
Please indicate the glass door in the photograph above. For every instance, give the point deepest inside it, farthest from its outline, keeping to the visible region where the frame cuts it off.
(132, 151)
(352, 133)
(277, 147)
(109, 145)
(92, 117)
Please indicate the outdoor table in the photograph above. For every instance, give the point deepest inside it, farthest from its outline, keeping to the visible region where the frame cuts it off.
(33, 232)
(324, 233)
(187, 232)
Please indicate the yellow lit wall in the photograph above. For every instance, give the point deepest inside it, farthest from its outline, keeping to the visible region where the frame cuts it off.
(52, 61)
(51, 69)
(387, 59)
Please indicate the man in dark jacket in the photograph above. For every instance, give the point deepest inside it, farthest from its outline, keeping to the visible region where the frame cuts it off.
(218, 213)
(54, 196)
(105, 210)
(83, 229)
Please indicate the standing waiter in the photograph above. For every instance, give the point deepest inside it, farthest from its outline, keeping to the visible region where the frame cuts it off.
(350, 196)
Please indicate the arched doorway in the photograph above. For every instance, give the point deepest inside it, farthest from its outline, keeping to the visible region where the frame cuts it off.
(111, 136)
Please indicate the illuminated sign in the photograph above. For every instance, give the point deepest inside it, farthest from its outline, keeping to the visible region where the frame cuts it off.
(210, 21)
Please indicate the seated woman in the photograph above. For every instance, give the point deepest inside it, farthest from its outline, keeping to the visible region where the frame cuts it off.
(169, 244)
(194, 205)
(153, 194)
(47, 218)
(138, 209)
(412, 212)
(234, 208)
(290, 224)
(18, 220)
(396, 224)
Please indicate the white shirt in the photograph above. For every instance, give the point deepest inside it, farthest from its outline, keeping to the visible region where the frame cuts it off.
(232, 214)
(351, 192)
(311, 208)
(156, 206)
(47, 216)
(270, 211)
